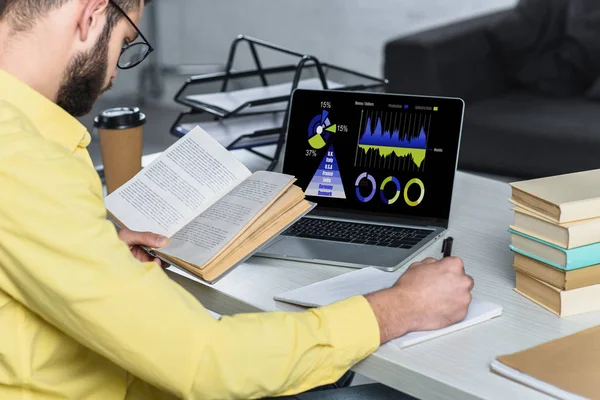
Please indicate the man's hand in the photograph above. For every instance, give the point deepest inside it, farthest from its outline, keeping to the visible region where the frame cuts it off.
(430, 295)
(136, 239)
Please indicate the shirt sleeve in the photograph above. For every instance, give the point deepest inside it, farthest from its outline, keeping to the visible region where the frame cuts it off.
(62, 259)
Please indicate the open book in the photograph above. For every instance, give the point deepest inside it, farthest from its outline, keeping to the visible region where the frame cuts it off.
(215, 212)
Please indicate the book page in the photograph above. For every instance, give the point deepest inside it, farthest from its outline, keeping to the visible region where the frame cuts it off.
(207, 234)
(224, 262)
(183, 182)
(287, 209)
(281, 211)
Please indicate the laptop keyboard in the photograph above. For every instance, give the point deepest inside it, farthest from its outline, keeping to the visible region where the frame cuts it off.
(358, 233)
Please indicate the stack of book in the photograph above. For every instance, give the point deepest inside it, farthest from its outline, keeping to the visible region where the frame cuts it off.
(555, 238)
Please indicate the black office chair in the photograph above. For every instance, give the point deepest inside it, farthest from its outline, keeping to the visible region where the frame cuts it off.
(374, 391)
(341, 390)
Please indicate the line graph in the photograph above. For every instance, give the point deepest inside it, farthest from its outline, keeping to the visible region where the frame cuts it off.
(393, 140)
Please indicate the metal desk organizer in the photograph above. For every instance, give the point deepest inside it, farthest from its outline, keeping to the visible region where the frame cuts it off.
(237, 101)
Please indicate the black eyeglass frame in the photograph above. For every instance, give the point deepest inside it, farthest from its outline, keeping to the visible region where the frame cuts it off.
(129, 46)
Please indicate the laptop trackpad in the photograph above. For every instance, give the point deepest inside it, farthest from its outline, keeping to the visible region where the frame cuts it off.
(334, 251)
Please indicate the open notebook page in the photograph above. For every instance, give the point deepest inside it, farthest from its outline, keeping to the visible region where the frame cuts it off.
(368, 280)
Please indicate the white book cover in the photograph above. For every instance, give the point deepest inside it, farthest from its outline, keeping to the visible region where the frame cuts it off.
(368, 280)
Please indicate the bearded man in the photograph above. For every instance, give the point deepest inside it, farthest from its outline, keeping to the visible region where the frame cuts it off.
(83, 313)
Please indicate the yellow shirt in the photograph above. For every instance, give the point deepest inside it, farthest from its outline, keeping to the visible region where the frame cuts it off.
(80, 317)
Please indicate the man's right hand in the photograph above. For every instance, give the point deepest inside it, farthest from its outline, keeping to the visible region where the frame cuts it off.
(431, 294)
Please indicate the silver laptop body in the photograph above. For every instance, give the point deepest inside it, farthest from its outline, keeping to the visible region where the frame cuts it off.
(376, 128)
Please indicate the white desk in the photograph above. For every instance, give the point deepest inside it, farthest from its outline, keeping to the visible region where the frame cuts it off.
(452, 367)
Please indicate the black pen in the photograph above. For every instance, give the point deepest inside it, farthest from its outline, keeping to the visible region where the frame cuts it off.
(447, 247)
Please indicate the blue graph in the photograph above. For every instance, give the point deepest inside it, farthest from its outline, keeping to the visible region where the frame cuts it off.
(396, 140)
(384, 138)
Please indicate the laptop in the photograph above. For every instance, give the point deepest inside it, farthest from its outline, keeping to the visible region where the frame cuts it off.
(380, 168)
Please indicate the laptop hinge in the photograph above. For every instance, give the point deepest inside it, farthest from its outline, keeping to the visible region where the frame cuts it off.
(321, 212)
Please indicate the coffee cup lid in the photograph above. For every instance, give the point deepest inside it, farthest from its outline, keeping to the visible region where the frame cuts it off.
(120, 118)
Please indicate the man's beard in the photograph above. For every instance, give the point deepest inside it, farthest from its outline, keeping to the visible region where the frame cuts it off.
(84, 79)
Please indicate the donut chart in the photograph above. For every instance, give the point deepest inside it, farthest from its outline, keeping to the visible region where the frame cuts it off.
(418, 182)
(398, 190)
(382, 190)
(370, 178)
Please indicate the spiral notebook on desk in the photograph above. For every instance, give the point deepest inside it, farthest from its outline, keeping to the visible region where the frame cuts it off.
(368, 280)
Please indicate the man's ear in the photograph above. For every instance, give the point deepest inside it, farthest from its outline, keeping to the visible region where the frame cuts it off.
(92, 16)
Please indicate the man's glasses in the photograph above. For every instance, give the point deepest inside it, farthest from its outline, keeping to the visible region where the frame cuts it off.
(132, 54)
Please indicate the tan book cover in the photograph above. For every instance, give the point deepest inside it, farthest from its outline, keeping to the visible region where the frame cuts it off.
(561, 279)
(568, 235)
(561, 198)
(563, 303)
(569, 365)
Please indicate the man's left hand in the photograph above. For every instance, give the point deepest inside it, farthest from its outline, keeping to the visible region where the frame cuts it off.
(137, 239)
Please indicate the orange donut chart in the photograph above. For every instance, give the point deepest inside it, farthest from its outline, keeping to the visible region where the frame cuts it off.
(418, 182)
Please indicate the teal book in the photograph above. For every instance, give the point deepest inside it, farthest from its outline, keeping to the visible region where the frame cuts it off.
(553, 255)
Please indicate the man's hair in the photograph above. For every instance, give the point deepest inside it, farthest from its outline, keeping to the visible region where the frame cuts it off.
(23, 13)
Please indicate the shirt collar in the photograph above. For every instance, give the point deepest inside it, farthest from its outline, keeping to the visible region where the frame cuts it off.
(51, 121)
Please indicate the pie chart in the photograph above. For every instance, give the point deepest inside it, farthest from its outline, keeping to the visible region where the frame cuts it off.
(319, 130)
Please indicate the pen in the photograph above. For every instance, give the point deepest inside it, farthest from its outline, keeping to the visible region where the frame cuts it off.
(447, 247)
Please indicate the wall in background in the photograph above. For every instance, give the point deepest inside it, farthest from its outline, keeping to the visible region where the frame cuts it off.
(345, 32)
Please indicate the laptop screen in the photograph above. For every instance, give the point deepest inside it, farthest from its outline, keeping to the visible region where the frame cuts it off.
(375, 153)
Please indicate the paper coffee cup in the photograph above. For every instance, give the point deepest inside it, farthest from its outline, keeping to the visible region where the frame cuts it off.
(120, 131)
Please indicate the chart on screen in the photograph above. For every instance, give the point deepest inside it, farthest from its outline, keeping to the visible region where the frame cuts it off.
(327, 181)
(319, 130)
(393, 140)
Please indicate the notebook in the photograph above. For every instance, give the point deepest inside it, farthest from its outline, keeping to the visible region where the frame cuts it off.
(368, 280)
(566, 368)
(518, 376)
